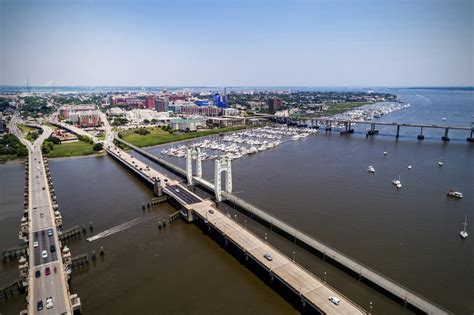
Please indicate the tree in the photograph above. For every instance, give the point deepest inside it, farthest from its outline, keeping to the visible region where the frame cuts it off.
(54, 140)
(146, 121)
(98, 147)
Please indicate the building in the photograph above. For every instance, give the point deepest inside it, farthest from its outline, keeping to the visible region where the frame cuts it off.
(66, 110)
(230, 112)
(150, 102)
(131, 102)
(115, 112)
(200, 110)
(180, 124)
(226, 122)
(162, 104)
(202, 102)
(86, 118)
(274, 104)
(138, 116)
(220, 101)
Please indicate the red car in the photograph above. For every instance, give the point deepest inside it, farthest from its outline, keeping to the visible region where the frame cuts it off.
(47, 271)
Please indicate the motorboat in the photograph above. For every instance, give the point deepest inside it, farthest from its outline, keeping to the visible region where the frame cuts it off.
(371, 169)
(463, 233)
(397, 182)
(455, 194)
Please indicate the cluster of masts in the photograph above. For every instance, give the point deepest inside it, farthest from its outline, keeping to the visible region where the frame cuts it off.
(451, 193)
(369, 112)
(238, 144)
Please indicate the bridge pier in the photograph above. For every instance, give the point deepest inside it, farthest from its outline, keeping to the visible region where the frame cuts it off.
(328, 126)
(347, 128)
(421, 136)
(471, 139)
(398, 131)
(445, 137)
(372, 131)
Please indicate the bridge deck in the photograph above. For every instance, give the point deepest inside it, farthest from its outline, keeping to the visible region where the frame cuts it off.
(41, 221)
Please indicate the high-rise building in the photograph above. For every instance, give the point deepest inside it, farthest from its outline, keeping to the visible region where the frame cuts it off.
(161, 104)
(274, 104)
(150, 102)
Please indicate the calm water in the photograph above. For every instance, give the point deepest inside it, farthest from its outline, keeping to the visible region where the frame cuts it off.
(319, 184)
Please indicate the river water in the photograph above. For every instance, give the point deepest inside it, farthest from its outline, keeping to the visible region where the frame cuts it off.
(319, 184)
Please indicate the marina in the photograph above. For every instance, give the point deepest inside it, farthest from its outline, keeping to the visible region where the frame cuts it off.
(241, 143)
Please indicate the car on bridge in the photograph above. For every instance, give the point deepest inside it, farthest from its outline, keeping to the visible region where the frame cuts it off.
(49, 303)
(52, 248)
(268, 257)
(50, 232)
(37, 274)
(44, 254)
(47, 271)
(35, 244)
(334, 300)
(39, 305)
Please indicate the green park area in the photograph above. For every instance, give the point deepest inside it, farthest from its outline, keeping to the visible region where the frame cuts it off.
(11, 148)
(29, 133)
(145, 137)
(53, 148)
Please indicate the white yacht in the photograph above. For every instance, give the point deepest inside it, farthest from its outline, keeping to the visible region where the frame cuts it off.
(397, 182)
(409, 167)
(371, 169)
(463, 233)
(440, 163)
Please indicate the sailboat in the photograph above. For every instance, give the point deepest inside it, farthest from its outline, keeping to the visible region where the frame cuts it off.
(463, 233)
(397, 182)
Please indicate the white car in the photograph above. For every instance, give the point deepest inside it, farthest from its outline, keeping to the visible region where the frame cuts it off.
(44, 254)
(35, 244)
(49, 303)
(334, 300)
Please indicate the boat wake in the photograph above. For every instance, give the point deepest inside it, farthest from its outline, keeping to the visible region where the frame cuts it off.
(120, 228)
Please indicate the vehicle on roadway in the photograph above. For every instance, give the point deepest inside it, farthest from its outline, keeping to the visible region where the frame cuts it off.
(39, 305)
(334, 300)
(52, 248)
(35, 244)
(211, 211)
(50, 232)
(47, 271)
(268, 257)
(37, 274)
(49, 303)
(44, 254)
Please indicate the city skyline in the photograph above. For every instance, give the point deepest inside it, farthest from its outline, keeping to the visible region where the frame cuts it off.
(237, 43)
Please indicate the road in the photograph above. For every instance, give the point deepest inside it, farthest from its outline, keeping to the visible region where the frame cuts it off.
(43, 236)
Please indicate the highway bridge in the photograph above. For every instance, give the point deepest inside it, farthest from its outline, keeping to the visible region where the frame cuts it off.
(46, 269)
(312, 291)
(347, 126)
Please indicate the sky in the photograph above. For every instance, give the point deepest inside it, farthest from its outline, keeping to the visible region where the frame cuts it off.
(350, 43)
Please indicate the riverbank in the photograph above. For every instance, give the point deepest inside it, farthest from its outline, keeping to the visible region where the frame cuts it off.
(159, 136)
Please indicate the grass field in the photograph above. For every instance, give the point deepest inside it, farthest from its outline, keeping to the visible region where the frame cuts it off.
(77, 148)
(159, 136)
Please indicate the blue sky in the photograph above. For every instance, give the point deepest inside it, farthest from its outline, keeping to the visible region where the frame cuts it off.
(237, 43)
